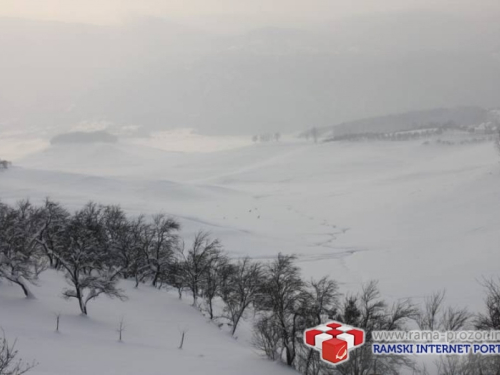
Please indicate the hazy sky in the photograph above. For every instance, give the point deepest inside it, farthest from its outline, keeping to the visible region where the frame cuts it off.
(111, 11)
(284, 65)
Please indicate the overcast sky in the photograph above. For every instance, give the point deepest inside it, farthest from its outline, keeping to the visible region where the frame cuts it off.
(285, 65)
(111, 11)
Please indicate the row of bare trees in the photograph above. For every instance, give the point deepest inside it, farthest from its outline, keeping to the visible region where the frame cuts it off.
(289, 305)
(96, 246)
(266, 137)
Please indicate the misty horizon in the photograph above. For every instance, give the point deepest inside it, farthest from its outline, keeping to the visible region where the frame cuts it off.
(164, 73)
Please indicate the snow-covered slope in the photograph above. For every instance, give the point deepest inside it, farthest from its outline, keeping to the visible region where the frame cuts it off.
(425, 215)
(153, 322)
(417, 218)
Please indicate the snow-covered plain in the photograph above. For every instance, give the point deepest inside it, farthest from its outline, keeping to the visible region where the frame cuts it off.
(418, 218)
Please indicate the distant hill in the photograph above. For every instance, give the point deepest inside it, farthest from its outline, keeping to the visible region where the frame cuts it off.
(84, 137)
(464, 118)
(460, 117)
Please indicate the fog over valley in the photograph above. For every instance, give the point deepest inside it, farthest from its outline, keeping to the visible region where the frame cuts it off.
(158, 74)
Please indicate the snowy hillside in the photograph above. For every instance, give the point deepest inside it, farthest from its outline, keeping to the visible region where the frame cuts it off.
(154, 321)
(417, 218)
(348, 209)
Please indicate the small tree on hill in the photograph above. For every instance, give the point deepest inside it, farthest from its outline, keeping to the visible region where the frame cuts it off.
(198, 260)
(50, 239)
(240, 289)
(20, 258)
(370, 312)
(213, 280)
(175, 276)
(280, 300)
(89, 266)
(163, 244)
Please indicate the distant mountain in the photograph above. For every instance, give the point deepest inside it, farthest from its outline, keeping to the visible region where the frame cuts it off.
(460, 117)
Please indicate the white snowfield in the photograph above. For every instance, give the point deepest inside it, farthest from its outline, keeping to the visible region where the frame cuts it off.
(417, 218)
(153, 320)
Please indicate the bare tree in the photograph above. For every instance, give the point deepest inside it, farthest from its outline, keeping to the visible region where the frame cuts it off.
(324, 297)
(198, 260)
(136, 254)
(320, 302)
(475, 364)
(89, 266)
(455, 319)
(280, 300)
(118, 236)
(163, 244)
(9, 363)
(20, 258)
(175, 276)
(50, 239)
(121, 329)
(490, 320)
(213, 279)
(370, 312)
(429, 318)
(267, 337)
(240, 289)
(434, 316)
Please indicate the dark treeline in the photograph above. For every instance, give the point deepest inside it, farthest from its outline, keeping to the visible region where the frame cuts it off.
(98, 245)
(429, 130)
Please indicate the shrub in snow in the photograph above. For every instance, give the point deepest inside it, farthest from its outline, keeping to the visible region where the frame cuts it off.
(10, 364)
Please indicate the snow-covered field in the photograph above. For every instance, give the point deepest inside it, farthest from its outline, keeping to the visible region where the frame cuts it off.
(417, 218)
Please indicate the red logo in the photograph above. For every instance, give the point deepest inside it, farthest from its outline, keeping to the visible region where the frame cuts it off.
(334, 341)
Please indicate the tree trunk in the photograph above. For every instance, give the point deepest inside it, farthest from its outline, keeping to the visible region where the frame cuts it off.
(155, 279)
(236, 321)
(22, 283)
(81, 302)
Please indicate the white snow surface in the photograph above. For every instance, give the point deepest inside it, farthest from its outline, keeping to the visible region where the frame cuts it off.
(417, 218)
(153, 321)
